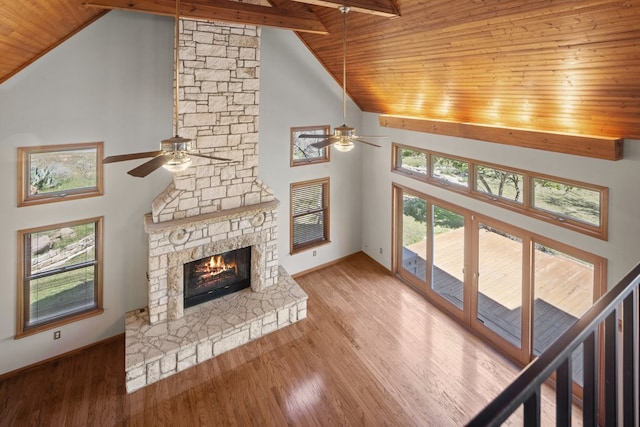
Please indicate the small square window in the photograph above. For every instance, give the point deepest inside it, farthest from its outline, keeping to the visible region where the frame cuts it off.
(410, 161)
(302, 150)
(499, 184)
(449, 170)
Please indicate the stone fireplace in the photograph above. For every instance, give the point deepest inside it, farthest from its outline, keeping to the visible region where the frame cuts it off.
(208, 210)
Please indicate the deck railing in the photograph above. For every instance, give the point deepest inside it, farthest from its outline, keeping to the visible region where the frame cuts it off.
(610, 375)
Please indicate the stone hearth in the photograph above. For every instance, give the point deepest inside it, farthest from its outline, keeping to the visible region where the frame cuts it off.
(208, 209)
(154, 352)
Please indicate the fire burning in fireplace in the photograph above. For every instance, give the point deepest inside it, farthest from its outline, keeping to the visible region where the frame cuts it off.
(217, 275)
(214, 269)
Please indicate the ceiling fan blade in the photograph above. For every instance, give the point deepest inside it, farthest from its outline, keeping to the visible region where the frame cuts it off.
(363, 141)
(313, 135)
(148, 167)
(322, 144)
(132, 156)
(210, 157)
(369, 136)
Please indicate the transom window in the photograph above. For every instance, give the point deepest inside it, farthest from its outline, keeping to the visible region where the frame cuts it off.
(499, 183)
(60, 279)
(449, 170)
(411, 161)
(309, 214)
(574, 205)
(579, 203)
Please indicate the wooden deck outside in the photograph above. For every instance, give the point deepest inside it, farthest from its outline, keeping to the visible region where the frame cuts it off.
(560, 281)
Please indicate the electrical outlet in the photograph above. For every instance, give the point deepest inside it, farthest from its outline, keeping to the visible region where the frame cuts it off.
(380, 250)
(56, 335)
(314, 253)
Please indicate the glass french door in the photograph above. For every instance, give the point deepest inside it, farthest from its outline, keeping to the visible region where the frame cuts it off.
(562, 293)
(413, 223)
(448, 256)
(500, 286)
(517, 290)
(431, 249)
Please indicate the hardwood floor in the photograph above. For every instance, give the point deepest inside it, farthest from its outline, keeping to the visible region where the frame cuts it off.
(372, 352)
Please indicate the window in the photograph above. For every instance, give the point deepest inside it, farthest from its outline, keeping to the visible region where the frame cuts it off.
(302, 150)
(309, 214)
(499, 183)
(449, 170)
(60, 279)
(570, 204)
(567, 201)
(54, 173)
(410, 161)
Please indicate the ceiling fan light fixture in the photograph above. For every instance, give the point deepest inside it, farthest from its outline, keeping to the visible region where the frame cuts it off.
(344, 132)
(344, 145)
(177, 148)
(178, 163)
(177, 143)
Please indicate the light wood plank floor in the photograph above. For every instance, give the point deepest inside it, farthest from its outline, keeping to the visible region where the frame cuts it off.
(372, 352)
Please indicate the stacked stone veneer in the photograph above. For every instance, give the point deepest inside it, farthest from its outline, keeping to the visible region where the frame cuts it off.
(213, 205)
(210, 208)
(219, 101)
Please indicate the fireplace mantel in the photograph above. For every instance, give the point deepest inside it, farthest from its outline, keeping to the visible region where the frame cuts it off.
(159, 227)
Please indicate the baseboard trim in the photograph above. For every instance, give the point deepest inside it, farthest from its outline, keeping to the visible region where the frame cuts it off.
(70, 353)
(336, 261)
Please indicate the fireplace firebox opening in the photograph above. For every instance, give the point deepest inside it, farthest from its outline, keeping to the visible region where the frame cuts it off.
(215, 276)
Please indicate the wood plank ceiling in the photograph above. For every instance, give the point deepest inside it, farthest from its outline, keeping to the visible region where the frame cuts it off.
(561, 66)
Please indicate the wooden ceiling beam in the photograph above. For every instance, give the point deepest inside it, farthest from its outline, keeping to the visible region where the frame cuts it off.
(222, 11)
(580, 145)
(374, 7)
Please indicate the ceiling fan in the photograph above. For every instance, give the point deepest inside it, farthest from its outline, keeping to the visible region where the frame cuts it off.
(175, 152)
(343, 136)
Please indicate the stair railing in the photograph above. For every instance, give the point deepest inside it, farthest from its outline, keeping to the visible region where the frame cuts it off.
(618, 308)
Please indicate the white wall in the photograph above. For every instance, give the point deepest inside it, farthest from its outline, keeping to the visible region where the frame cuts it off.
(621, 177)
(295, 90)
(99, 85)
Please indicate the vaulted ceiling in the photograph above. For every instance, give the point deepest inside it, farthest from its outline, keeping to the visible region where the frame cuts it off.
(556, 66)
